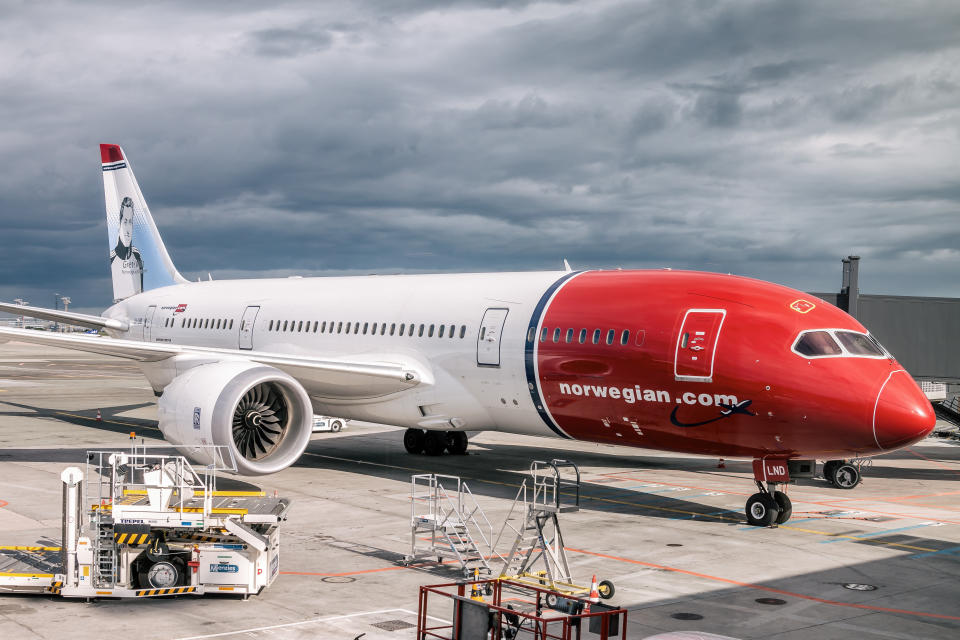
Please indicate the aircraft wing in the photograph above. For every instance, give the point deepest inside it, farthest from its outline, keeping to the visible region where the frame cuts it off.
(335, 378)
(66, 317)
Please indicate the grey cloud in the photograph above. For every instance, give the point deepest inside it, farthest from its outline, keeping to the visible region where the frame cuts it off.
(290, 42)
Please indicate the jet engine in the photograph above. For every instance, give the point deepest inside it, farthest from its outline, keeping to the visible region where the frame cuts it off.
(261, 414)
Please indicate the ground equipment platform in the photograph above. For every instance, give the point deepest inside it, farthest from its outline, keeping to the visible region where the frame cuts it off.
(144, 525)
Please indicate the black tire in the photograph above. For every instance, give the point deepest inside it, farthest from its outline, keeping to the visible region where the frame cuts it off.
(762, 510)
(413, 441)
(829, 467)
(845, 476)
(434, 443)
(336, 426)
(786, 507)
(457, 442)
(605, 589)
(551, 600)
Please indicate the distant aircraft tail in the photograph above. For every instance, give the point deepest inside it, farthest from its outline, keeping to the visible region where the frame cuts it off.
(138, 260)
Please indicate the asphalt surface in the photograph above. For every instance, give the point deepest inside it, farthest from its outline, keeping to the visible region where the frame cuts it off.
(667, 530)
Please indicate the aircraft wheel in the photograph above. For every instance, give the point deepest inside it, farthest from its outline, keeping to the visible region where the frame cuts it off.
(457, 443)
(785, 506)
(829, 467)
(605, 589)
(434, 443)
(413, 440)
(762, 510)
(336, 426)
(845, 476)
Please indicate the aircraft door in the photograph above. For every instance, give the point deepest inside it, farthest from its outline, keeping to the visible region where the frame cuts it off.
(246, 327)
(488, 342)
(697, 344)
(148, 323)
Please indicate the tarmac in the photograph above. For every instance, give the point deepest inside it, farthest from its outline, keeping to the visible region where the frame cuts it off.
(879, 561)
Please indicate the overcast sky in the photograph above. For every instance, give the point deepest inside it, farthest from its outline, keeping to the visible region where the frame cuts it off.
(767, 139)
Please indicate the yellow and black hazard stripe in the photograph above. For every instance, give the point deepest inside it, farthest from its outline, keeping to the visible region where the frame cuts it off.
(131, 538)
(198, 537)
(55, 587)
(171, 591)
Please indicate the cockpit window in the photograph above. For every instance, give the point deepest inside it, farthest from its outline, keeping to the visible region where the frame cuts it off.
(817, 343)
(858, 344)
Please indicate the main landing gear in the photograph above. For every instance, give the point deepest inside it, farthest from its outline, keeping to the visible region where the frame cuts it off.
(841, 474)
(434, 443)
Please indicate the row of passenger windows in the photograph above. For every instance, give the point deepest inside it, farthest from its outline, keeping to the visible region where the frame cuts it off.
(569, 335)
(368, 328)
(201, 323)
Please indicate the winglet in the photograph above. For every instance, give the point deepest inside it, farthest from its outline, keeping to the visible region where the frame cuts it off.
(110, 153)
(566, 266)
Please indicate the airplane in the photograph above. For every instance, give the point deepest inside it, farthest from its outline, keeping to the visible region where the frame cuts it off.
(679, 361)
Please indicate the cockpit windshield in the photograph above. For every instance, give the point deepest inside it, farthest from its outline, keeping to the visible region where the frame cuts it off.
(822, 343)
(817, 343)
(858, 344)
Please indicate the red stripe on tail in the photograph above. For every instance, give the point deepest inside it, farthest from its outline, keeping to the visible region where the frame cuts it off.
(110, 153)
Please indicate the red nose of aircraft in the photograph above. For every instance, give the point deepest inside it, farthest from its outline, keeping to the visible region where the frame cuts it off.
(903, 414)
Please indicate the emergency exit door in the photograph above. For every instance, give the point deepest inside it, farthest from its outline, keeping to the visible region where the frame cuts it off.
(488, 341)
(697, 344)
(246, 327)
(148, 323)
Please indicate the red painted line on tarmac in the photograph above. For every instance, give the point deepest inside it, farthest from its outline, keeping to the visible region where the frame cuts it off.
(749, 585)
(3, 503)
(934, 462)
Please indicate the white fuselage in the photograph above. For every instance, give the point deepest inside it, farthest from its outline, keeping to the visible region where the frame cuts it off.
(472, 383)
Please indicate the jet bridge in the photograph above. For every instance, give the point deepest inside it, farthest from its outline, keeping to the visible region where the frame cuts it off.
(144, 525)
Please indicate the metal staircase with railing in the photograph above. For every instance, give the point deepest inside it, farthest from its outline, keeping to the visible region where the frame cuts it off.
(447, 523)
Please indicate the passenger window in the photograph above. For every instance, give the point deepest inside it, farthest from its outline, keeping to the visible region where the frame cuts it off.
(569, 338)
(543, 334)
(441, 330)
(858, 344)
(300, 326)
(412, 329)
(596, 336)
(339, 327)
(231, 323)
(625, 337)
(285, 325)
(583, 336)
(531, 334)
(383, 329)
(556, 334)
(365, 325)
(402, 325)
(420, 332)
(817, 343)
(316, 324)
(430, 332)
(393, 328)
(483, 332)
(218, 324)
(356, 328)
(610, 334)
(453, 329)
(463, 330)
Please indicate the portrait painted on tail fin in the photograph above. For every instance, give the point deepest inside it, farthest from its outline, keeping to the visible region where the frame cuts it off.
(126, 263)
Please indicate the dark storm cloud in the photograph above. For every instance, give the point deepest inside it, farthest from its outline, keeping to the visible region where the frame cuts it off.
(763, 138)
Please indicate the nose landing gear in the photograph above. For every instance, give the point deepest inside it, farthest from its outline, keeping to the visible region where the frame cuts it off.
(841, 474)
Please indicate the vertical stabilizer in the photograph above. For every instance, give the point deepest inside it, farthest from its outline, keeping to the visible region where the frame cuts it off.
(138, 260)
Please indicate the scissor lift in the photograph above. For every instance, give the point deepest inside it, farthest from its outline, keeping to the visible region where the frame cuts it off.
(142, 525)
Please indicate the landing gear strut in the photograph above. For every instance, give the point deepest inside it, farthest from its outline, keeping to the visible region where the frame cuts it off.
(434, 443)
(769, 507)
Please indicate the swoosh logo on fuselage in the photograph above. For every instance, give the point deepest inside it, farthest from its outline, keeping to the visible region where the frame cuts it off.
(727, 411)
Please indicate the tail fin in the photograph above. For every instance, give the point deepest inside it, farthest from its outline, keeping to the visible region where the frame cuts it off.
(138, 260)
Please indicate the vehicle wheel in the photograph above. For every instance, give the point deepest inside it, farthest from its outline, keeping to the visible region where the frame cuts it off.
(846, 476)
(785, 506)
(605, 589)
(762, 510)
(551, 600)
(413, 440)
(829, 467)
(336, 426)
(457, 443)
(434, 443)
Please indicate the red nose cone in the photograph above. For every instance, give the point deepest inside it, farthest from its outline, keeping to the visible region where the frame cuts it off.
(903, 414)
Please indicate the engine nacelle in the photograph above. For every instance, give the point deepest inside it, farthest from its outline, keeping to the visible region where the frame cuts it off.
(260, 413)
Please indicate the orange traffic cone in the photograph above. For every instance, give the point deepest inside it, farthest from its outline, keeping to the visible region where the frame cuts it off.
(99, 417)
(721, 464)
(594, 590)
